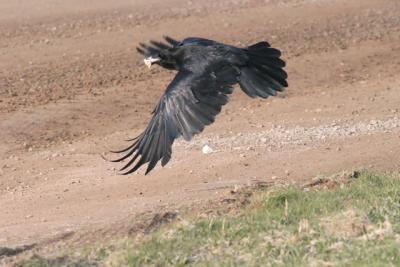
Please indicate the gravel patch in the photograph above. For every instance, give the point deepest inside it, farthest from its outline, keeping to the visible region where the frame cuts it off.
(282, 138)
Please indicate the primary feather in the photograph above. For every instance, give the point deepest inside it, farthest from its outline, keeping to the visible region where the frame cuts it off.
(207, 70)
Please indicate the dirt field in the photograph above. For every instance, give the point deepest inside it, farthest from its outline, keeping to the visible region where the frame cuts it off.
(72, 88)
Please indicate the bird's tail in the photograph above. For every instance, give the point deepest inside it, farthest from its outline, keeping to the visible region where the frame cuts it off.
(264, 75)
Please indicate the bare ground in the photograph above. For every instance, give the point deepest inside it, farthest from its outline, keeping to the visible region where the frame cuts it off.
(72, 88)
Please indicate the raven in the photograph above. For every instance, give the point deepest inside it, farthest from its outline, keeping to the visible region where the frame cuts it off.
(206, 73)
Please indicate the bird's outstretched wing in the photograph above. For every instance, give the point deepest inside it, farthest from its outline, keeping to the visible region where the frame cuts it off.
(190, 102)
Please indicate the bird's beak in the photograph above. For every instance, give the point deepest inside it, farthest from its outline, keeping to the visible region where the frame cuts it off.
(150, 61)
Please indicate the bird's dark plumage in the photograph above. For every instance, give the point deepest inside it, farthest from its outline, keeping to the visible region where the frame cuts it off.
(207, 70)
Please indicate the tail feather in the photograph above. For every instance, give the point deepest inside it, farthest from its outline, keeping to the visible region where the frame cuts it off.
(255, 84)
(265, 52)
(267, 80)
(263, 59)
(260, 45)
(277, 74)
(264, 74)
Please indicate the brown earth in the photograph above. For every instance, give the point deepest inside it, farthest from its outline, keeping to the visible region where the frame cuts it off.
(72, 87)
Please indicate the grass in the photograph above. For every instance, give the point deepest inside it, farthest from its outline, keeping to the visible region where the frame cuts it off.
(349, 224)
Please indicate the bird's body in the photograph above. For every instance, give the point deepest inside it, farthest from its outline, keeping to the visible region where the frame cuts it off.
(207, 71)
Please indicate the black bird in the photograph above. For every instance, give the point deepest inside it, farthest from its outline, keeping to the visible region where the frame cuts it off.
(206, 73)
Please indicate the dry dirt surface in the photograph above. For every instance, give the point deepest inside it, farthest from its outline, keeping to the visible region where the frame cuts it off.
(72, 88)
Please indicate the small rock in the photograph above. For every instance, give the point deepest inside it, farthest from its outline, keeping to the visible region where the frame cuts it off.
(235, 189)
(207, 150)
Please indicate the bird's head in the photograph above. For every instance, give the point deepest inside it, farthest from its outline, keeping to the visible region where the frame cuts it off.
(166, 54)
(167, 58)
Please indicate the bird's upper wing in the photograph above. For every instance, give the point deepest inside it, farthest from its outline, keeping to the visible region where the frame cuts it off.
(156, 46)
(190, 102)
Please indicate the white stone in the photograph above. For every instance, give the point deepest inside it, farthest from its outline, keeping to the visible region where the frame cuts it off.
(207, 150)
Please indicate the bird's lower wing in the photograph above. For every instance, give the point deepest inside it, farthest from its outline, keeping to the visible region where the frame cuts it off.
(190, 102)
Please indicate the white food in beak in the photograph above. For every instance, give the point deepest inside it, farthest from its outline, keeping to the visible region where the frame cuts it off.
(150, 60)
